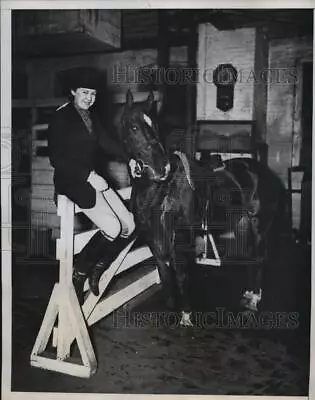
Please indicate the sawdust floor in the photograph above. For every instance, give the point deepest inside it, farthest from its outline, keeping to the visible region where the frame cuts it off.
(142, 349)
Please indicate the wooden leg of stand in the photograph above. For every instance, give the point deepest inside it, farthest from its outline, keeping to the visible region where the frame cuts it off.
(64, 303)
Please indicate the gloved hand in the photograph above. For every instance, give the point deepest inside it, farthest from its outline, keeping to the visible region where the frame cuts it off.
(135, 168)
(97, 181)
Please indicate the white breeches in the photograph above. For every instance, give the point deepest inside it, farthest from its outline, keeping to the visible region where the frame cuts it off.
(110, 215)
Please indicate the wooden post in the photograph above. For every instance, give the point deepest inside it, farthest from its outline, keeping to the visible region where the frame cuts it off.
(64, 306)
(163, 56)
(191, 91)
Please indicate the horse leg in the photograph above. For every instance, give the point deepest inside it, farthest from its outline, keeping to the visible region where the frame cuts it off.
(252, 297)
(158, 241)
(166, 274)
(182, 256)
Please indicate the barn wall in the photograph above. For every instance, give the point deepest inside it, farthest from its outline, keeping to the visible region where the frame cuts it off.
(120, 68)
(236, 47)
(45, 31)
(284, 57)
(268, 90)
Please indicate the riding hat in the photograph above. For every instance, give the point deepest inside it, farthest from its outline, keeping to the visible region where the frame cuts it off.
(84, 77)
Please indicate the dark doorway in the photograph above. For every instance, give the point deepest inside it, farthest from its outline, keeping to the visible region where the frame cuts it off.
(307, 115)
(306, 154)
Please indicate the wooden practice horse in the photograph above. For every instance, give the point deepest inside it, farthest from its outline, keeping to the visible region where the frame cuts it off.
(175, 200)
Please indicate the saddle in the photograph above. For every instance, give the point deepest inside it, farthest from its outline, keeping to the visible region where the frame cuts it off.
(231, 187)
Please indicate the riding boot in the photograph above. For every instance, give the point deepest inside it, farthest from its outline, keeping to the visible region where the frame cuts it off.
(78, 280)
(111, 252)
(86, 260)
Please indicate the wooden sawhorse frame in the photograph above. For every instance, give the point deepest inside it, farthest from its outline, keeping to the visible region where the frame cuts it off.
(63, 306)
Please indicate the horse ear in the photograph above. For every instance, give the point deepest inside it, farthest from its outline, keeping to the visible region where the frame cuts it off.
(150, 101)
(129, 98)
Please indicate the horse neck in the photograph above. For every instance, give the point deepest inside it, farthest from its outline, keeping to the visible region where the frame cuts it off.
(146, 194)
(151, 192)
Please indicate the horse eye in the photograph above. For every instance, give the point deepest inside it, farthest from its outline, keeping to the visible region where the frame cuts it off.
(134, 128)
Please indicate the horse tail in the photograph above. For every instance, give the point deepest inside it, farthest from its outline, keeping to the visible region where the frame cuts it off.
(280, 229)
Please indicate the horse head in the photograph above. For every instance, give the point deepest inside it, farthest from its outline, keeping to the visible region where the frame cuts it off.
(140, 136)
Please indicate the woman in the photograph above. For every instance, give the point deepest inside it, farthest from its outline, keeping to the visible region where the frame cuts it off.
(77, 144)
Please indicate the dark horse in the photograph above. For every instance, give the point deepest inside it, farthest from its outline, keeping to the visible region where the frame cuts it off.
(173, 195)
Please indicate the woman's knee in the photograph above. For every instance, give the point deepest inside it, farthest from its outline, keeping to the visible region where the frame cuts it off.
(128, 226)
(131, 224)
(112, 228)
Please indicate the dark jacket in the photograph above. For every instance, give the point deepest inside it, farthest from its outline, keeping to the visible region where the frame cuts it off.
(74, 152)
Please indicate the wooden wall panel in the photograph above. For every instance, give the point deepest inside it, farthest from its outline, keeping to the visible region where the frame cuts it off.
(221, 47)
(284, 55)
(260, 85)
(284, 110)
(120, 68)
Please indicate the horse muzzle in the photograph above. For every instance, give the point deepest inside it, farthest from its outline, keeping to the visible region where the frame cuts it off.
(151, 173)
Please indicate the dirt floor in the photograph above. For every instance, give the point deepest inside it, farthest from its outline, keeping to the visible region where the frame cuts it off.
(141, 348)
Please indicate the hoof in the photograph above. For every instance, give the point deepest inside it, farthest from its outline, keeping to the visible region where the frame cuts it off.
(250, 300)
(250, 306)
(185, 320)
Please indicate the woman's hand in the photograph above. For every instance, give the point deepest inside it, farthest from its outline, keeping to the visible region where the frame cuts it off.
(97, 181)
(135, 168)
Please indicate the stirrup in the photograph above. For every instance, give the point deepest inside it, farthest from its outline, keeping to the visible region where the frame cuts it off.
(204, 258)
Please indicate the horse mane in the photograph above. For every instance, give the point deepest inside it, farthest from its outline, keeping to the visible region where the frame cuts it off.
(184, 159)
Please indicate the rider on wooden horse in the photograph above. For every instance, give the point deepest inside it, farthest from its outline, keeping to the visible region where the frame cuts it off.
(77, 143)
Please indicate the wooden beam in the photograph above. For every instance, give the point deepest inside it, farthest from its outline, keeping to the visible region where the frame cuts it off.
(191, 91)
(115, 301)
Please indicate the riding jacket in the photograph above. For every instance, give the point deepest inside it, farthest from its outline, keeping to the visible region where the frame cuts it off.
(75, 150)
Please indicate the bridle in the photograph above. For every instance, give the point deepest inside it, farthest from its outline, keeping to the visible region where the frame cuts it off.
(143, 166)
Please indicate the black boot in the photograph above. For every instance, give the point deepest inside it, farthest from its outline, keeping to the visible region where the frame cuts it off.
(78, 280)
(111, 252)
(86, 260)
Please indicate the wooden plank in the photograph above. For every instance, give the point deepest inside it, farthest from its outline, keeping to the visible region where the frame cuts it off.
(80, 371)
(105, 279)
(79, 327)
(112, 303)
(191, 92)
(47, 324)
(36, 103)
(43, 192)
(64, 303)
(44, 219)
(43, 206)
(239, 44)
(38, 144)
(42, 177)
(261, 86)
(39, 127)
(104, 25)
(41, 163)
(133, 258)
